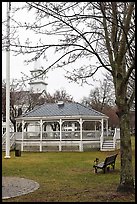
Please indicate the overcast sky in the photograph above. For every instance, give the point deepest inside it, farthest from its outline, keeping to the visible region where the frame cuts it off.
(55, 78)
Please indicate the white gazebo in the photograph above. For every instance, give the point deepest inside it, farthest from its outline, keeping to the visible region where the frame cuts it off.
(61, 125)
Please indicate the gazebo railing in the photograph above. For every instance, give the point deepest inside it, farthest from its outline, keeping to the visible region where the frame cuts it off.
(90, 134)
(70, 135)
(51, 135)
(60, 138)
(55, 135)
(31, 135)
(65, 135)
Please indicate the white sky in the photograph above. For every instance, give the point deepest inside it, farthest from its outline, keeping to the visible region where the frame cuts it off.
(55, 78)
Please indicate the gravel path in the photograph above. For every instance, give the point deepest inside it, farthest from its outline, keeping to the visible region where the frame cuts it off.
(16, 186)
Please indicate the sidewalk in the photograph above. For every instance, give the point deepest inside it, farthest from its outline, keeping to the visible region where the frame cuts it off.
(16, 186)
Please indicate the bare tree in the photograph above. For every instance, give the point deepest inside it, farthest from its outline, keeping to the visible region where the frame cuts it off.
(104, 33)
(16, 102)
(61, 95)
(102, 95)
(22, 101)
(102, 99)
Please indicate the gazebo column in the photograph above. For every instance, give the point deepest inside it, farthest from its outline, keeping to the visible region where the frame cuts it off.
(81, 142)
(22, 135)
(102, 131)
(60, 123)
(41, 124)
(16, 126)
(95, 130)
(107, 127)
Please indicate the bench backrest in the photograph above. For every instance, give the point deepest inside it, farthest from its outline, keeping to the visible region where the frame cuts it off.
(110, 159)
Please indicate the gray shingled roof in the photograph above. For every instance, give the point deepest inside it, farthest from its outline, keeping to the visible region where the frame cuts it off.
(67, 109)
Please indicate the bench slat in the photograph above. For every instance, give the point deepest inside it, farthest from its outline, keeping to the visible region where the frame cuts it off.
(100, 165)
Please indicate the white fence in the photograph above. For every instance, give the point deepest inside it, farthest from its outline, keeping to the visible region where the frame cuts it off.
(56, 135)
(63, 138)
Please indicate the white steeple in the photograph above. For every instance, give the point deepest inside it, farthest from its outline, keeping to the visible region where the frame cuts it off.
(37, 64)
(37, 83)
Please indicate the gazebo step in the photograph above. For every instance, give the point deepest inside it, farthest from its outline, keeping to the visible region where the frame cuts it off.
(107, 145)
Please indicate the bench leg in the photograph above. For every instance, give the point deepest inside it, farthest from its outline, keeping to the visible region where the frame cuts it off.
(95, 169)
(104, 170)
(113, 166)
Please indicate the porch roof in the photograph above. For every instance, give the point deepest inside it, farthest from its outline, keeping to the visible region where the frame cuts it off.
(62, 109)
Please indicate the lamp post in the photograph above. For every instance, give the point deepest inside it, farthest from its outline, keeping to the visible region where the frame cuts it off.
(8, 83)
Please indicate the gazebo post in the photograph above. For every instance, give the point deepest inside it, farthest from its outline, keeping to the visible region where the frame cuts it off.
(81, 143)
(95, 130)
(22, 135)
(16, 126)
(107, 127)
(102, 131)
(60, 123)
(41, 123)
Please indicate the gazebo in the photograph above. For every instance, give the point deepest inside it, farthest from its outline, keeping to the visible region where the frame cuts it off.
(61, 125)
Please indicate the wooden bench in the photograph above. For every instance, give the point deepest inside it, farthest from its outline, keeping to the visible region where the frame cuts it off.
(110, 160)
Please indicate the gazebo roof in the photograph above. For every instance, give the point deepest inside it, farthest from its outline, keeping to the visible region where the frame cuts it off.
(62, 109)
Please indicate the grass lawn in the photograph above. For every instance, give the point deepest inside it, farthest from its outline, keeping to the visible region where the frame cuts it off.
(66, 177)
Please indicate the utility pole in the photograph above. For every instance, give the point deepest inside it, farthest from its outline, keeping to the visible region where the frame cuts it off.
(8, 83)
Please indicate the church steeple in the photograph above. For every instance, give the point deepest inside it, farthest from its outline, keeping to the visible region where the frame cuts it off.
(37, 83)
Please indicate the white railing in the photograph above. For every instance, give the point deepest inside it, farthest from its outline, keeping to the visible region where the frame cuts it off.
(65, 135)
(91, 135)
(18, 135)
(3, 138)
(71, 135)
(88, 136)
(116, 136)
(55, 135)
(48, 135)
(58, 138)
(12, 138)
(101, 141)
(31, 135)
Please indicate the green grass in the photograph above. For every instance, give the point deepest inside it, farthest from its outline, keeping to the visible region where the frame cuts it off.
(66, 177)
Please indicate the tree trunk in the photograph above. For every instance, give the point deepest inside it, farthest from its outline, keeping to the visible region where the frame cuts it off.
(126, 174)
